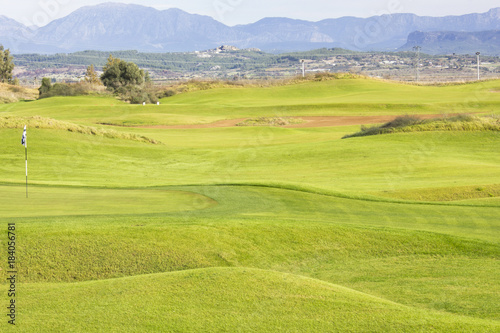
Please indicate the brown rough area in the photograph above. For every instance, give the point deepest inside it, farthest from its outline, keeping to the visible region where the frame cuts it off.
(329, 121)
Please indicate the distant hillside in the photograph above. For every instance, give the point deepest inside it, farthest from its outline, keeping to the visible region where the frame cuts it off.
(486, 42)
(117, 27)
(113, 26)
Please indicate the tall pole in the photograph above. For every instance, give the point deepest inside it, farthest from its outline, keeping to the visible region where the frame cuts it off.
(26, 159)
(303, 67)
(24, 142)
(417, 65)
(478, 70)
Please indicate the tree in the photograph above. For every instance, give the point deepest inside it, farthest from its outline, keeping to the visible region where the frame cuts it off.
(91, 76)
(119, 73)
(6, 65)
(45, 87)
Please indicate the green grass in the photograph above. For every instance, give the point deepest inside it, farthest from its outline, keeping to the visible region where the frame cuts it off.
(327, 98)
(448, 193)
(47, 123)
(45, 201)
(246, 300)
(254, 228)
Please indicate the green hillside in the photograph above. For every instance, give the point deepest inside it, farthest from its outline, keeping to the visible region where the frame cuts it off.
(225, 229)
(325, 98)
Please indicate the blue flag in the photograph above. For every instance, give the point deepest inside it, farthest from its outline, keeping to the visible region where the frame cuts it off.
(23, 140)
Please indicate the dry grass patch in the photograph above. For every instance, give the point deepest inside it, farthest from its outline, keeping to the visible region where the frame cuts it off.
(12, 94)
(48, 123)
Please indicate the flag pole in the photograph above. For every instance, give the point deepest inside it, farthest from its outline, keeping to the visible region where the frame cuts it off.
(26, 158)
(24, 142)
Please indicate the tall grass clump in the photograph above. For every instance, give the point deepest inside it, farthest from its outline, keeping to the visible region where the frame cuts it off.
(48, 123)
(271, 121)
(462, 122)
(69, 89)
(12, 93)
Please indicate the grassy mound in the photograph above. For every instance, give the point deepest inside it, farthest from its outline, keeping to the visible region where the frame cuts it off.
(225, 300)
(12, 94)
(376, 248)
(48, 123)
(343, 97)
(410, 123)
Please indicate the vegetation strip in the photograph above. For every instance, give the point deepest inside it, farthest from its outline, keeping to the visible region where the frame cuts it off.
(48, 123)
(463, 122)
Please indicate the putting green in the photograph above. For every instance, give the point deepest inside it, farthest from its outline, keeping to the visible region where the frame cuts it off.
(53, 201)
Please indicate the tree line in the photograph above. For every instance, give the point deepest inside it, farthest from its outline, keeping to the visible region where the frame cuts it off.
(120, 77)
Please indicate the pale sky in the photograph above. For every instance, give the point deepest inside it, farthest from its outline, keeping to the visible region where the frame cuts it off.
(232, 12)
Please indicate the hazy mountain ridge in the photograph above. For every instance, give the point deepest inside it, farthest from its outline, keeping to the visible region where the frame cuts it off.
(114, 26)
(441, 42)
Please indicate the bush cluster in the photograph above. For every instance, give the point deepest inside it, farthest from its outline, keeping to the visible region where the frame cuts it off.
(408, 123)
(137, 95)
(65, 89)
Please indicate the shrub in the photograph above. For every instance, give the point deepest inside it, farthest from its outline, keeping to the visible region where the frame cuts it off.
(137, 95)
(403, 121)
(462, 122)
(67, 89)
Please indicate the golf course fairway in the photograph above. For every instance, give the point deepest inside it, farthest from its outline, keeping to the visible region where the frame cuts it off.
(157, 219)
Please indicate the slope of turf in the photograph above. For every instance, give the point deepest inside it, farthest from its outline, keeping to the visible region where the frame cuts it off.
(258, 155)
(337, 97)
(245, 300)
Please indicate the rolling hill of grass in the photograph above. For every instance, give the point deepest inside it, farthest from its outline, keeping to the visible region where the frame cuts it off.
(326, 98)
(246, 300)
(254, 228)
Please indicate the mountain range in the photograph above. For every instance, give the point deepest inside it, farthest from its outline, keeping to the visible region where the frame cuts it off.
(116, 26)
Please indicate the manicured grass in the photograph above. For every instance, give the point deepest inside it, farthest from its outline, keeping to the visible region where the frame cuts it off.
(45, 201)
(255, 228)
(449, 193)
(258, 155)
(338, 97)
(288, 231)
(244, 300)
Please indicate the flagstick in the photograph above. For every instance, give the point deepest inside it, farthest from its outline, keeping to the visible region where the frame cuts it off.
(26, 155)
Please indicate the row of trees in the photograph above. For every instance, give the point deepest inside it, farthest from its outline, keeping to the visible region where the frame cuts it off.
(123, 78)
(6, 65)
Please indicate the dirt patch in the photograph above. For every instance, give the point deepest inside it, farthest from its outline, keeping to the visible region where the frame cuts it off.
(341, 121)
(329, 121)
(220, 123)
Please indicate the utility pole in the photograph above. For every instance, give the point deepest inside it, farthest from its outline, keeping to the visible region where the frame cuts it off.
(417, 49)
(303, 67)
(478, 62)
